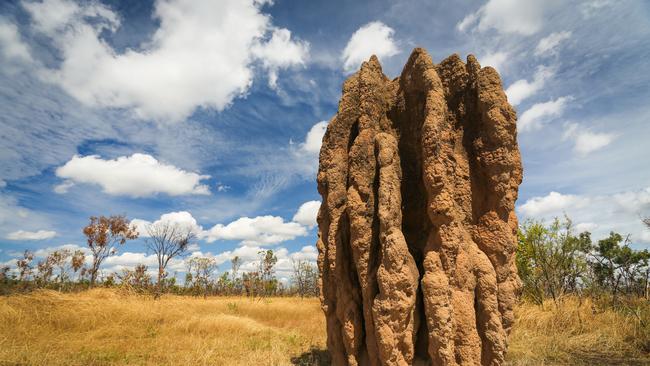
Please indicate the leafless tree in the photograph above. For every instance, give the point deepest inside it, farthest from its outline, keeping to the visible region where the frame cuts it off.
(103, 234)
(646, 221)
(167, 240)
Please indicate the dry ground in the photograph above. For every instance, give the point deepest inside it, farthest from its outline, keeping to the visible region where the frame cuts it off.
(108, 327)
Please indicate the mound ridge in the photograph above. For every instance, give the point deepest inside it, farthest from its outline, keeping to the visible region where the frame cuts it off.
(417, 230)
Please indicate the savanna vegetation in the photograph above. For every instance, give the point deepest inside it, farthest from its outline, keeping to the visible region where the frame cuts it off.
(584, 302)
(65, 270)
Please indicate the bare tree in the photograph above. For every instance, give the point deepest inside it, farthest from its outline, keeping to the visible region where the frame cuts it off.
(103, 234)
(646, 221)
(167, 240)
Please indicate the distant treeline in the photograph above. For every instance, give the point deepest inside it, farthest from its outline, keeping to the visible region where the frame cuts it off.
(65, 270)
(552, 260)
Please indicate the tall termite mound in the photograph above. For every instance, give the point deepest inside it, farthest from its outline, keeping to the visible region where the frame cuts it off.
(417, 230)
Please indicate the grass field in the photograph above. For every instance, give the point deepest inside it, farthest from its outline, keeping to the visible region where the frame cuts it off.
(108, 327)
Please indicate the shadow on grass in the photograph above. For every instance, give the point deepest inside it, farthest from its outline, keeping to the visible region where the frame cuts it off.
(315, 357)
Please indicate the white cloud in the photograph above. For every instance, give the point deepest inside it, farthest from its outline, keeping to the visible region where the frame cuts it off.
(13, 216)
(306, 214)
(222, 187)
(44, 252)
(280, 52)
(314, 138)
(374, 38)
(31, 235)
(586, 141)
(11, 46)
(535, 116)
(549, 43)
(3, 184)
(307, 253)
(128, 260)
(180, 218)
(552, 203)
(202, 55)
(522, 89)
(138, 175)
(260, 230)
(63, 187)
(494, 59)
(600, 214)
(523, 17)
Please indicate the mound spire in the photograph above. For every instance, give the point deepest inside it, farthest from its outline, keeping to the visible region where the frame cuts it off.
(417, 231)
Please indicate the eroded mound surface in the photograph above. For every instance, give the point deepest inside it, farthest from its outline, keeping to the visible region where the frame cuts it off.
(417, 230)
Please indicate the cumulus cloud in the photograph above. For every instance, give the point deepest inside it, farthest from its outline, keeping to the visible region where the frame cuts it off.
(182, 219)
(306, 214)
(280, 52)
(494, 59)
(314, 138)
(138, 175)
(586, 141)
(256, 231)
(202, 54)
(552, 203)
(374, 38)
(11, 46)
(31, 235)
(598, 214)
(523, 89)
(525, 17)
(547, 45)
(535, 116)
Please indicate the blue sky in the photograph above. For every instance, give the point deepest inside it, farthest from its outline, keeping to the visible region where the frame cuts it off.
(211, 113)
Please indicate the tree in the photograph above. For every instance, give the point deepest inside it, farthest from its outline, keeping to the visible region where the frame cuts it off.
(78, 260)
(200, 270)
(24, 266)
(44, 270)
(619, 268)
(4, 274)
(137, 278)
(103, 234)
(305, 278)
(235, 264)
(267, 271)
(551, 260)
(59, 260)
(167, 240)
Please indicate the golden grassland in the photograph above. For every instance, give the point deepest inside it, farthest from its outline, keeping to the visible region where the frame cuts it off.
(110, 327)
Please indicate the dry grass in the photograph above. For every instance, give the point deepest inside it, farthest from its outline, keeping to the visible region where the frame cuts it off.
(108, 327)
(577, 333)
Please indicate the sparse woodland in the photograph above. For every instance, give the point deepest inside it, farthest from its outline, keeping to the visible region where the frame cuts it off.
(583, 302)
(65, 270)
